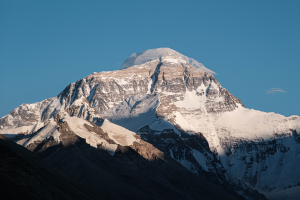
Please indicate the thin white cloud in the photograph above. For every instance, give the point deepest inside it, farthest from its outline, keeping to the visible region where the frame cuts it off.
(273, 90)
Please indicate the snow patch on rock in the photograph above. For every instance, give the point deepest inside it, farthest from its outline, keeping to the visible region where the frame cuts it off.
(48, 131)
(119, 134)
(77, 126)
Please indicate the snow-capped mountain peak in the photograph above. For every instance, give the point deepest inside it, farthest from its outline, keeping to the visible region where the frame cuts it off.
(174, 103)
(164, 55)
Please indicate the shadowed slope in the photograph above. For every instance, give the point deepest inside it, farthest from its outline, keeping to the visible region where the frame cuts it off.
(24, 176)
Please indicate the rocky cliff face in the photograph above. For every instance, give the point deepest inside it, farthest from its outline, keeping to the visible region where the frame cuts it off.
(181, 109)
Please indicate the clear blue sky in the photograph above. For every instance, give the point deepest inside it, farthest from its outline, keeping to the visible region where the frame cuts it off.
(252, 45)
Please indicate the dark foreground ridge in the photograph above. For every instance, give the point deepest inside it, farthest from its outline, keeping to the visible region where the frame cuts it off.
(25, 176)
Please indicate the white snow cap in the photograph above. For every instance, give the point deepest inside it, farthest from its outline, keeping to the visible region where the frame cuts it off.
(153, 54)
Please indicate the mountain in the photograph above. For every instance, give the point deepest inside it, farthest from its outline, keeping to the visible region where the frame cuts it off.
(173, 104)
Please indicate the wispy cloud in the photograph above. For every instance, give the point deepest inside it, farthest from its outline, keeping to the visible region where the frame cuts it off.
(273, 90)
